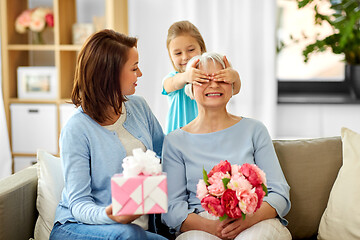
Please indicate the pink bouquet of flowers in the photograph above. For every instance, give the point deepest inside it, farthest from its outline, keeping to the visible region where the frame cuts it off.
(232, 190)
(36, 19)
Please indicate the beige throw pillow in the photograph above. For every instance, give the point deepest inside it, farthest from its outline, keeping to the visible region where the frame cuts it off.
(341, 219)
(310, 167)
(50, 185)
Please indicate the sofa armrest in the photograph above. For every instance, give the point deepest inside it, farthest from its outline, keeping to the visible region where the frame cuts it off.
(18, 212)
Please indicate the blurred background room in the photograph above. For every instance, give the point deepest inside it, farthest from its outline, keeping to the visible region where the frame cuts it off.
(263, 39)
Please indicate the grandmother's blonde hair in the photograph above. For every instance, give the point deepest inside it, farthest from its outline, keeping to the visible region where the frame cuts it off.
(204, 59)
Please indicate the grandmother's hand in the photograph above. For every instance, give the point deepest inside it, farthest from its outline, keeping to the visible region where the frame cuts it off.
(232, 227)
(120, 219)
(216, 228)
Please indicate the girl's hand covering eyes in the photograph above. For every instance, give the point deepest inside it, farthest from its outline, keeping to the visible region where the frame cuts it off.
(227, 75)
(196, 76)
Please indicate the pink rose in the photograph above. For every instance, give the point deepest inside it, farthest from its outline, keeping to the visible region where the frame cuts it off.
(213, 206)
(218, 176)
(37, 24)
(260, 193)
(253, 173)
(235, 170)
(25, 18)
(49, 18)
(201, 190)
(230, 202)
(238, 182)
(217, 188)
(248, 201)
(223, 166)
(234, 212)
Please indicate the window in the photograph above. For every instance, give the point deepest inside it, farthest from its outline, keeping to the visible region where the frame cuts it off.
(321, 79)
(299, 23)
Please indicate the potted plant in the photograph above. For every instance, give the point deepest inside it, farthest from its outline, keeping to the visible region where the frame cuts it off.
(344, 18)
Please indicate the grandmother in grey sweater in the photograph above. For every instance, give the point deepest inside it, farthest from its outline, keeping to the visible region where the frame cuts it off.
(216, 135)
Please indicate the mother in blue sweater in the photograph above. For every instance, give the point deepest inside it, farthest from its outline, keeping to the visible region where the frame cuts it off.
(107, 126)
(212, 136)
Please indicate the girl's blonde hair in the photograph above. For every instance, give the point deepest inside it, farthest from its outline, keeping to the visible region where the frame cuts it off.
(183, 28)
(204, 60)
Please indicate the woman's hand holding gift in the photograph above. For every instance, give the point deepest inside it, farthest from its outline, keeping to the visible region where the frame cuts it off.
(124, 219)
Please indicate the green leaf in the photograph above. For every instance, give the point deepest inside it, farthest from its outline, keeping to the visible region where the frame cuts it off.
(243, 215)
(344, 19)
(205, 177)
(225, 182)
(303, 3)
(265, 189)
(223, 217)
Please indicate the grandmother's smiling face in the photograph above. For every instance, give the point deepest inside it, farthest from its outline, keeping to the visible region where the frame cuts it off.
(212, 94)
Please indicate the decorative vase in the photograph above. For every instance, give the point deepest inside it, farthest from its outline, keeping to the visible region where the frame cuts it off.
(37, 38)
(352, 76)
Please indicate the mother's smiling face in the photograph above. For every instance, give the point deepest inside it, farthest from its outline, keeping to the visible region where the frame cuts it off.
(212, 94)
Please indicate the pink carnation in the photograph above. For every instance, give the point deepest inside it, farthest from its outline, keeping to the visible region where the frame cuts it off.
(213, 206)
(202, 190)
(223, 166)
(253, 173)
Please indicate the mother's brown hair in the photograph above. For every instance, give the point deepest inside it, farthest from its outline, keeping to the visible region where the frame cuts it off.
(99, 64)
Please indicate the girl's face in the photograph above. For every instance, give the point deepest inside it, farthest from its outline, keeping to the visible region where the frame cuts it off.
(212, 94)
(130, 73)
(182, 49)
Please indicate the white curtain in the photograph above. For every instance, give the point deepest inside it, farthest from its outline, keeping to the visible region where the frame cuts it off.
(5, 154)
(243, 30)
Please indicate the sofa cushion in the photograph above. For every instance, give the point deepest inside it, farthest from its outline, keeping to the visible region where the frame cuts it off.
(17, 204)
(50, 185)
(341, 218)
(310, 167)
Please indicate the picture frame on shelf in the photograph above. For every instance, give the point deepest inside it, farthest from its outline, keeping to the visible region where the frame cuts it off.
(37, 82)
(81, 31)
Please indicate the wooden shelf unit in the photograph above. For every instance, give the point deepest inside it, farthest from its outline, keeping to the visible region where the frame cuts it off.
(16, 50)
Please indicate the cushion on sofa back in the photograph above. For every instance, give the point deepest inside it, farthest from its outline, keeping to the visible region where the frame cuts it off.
(310, 167)
(50, 185)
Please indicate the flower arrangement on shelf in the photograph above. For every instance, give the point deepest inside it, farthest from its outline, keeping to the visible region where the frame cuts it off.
(35, 20)
(232, 190)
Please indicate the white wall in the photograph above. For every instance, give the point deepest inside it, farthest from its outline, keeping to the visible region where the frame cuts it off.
(5, 154)
(316, 120)
(313, 121)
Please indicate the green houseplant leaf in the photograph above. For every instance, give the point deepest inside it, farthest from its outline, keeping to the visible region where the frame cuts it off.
(344, 18)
